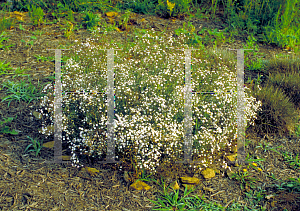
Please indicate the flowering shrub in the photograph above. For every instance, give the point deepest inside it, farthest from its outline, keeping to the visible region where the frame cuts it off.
(149, 101)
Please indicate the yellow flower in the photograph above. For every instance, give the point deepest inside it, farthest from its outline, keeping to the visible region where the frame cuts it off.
(244, 170)
(254, 164)
(170, 6)
(259, 169)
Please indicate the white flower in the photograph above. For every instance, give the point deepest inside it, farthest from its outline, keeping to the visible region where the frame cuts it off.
(151, 119)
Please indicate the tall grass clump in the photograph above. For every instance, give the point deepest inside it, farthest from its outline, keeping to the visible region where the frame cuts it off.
(289, 83)
(149, 101)
(282, 65)
(278, 114)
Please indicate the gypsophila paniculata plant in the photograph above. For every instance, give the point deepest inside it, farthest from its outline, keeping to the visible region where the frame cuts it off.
(149, 101)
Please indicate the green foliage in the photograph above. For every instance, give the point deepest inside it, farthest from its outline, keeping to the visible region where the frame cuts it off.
(256, 196)
(266, 146)
(21, 91)
(36, 14)
(293, 185)
(277, 114)
(6, 23)
(172, 8)
(31, 42)
(91, 20)
(283, 65)
(4, 68)
(293, 161)
(244, 177)
(43, 59)
(192, 39)
(139, 6)
(125, 19)
(171, 201)
(289, 83)
(6, 129)
(284, 30)
(71, 16)
(36, 145)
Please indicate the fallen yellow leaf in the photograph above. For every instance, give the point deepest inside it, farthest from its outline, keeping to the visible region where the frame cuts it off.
(66, 157)
(92, 171)
(49, 144)
(111, 14)
(118, 29)
(19, 13)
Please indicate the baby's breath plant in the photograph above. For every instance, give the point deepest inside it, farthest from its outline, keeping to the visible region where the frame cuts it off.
(149, 101)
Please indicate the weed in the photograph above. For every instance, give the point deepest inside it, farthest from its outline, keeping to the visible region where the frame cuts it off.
(192, 38)
(36, 145)
(37, 32)
(297, 131)
(4, 68)
(166, 8)
(106, 27)
(21, 91)
(36, 14)
(265, 146)
(274, 116)
(125, 19)
(2, 38)
(294, 162)
(19, 72)
(6, 23)
(6, 129)
(139, 6)
(31, 42)
(244, 177)
(43, 59)
(216, 36)
(68, 29)
(91, 20)
(170, 201)
(71, 16)
(21, 27)
(292, 186)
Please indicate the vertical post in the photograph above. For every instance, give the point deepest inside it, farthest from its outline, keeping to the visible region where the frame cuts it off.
(188, 128)
(57, 110)
(110, 157)
(240, 108)
(241, 154)
(187, 108)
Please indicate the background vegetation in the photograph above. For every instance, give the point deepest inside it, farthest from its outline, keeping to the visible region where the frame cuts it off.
(273, 23)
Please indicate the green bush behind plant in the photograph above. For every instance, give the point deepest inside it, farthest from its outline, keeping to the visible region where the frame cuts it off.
(271, 21)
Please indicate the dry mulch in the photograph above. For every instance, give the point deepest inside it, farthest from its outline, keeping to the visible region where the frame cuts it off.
(28, 183)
